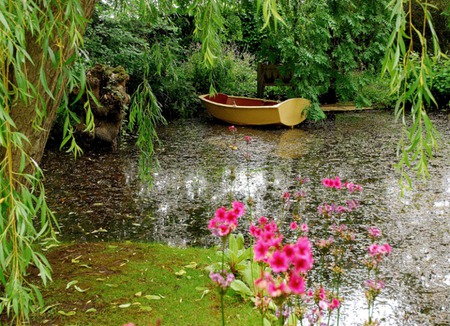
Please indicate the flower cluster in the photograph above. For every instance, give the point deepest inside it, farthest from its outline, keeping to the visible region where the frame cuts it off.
(294, 260)
(329, 209)
(337, 184)
(373, 289)
(332, 183)
(223, 279)
(325, 302)
(379, 251)
(225, 221)
(374, 233)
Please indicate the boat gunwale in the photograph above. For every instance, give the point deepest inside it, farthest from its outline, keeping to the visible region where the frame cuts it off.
(277, 105)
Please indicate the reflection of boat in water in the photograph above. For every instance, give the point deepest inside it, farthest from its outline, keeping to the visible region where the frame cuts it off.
(292, 144)
(250, 111)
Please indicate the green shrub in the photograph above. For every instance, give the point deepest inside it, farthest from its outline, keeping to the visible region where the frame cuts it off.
(234, 74)
(441, 83)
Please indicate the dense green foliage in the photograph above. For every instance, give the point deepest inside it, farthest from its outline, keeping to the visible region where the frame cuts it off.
(170, 61)
(25, 220)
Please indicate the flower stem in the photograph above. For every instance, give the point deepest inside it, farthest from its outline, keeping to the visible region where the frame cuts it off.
(222, 292)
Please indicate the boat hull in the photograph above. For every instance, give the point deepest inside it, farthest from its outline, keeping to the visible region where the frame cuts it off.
(250, 111)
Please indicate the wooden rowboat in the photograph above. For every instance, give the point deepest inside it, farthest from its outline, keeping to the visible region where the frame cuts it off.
(251, 111)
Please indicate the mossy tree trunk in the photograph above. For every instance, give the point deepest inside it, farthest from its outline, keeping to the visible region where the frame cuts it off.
(24, 114)
(108, 87)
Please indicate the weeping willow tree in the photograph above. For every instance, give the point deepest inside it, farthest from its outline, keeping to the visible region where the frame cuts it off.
(411, 76)
(39, 44)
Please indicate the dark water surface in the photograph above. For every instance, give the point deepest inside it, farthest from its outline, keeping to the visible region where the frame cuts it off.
(99, 197)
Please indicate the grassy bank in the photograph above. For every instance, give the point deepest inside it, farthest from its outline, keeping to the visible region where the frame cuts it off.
(147, 284)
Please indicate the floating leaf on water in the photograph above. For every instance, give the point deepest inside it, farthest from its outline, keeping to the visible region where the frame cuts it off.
(125, 305)
(180, 272)
(91, 310)
(99, 230)
(70, 284)
(192, 264)
(152, 297)
(70, 313)
(138, 294)
(80, 289)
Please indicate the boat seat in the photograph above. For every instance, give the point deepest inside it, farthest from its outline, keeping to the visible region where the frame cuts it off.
(220, 98)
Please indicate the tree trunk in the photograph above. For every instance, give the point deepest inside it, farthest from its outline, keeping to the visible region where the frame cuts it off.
(108, 86)
(24, 114)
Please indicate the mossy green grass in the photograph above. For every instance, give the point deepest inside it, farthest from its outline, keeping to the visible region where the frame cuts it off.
(145, 284)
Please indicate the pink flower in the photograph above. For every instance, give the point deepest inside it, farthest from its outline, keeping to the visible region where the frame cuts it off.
(376, 250)
(238, 208)
(255, 231)
(374, 232)
(376, 285)
(304, 227)
(332, 183)
(337, 183)
(220, 280)
(232, 129)
(277, 290)
(129, 324)
(323, 305)
(293, 225)
(264, 280)
(334, 304)
(289, 251)
(278, 262)
(248, 139)
(296, 284)
(263, 220)
(260, 250)
(225, 221)
(322, 294)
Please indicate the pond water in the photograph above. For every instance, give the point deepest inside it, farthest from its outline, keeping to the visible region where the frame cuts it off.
(100, 197)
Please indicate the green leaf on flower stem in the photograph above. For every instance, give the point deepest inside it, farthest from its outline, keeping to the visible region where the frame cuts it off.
(241, 288)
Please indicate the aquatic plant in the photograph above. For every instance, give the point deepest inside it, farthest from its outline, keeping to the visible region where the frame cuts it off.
(299, 281)
(221, 225)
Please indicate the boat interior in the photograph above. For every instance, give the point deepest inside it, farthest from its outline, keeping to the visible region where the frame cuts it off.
(239, 101)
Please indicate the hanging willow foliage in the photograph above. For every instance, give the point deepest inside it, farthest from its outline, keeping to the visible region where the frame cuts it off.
(411, 74)
(27, 83)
